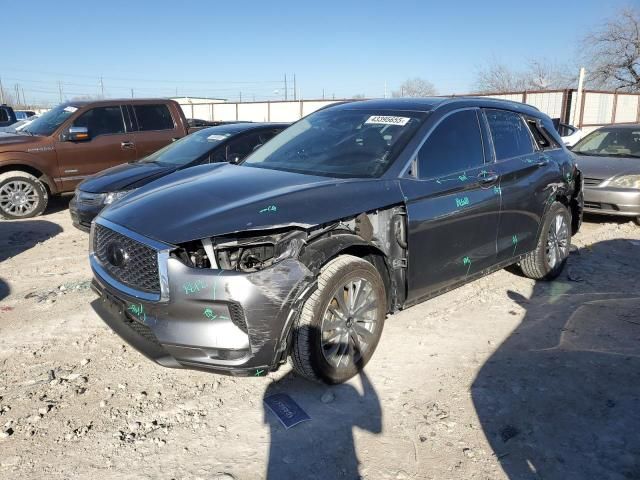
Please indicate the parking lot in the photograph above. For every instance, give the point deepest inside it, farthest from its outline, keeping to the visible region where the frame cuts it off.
(503, 378)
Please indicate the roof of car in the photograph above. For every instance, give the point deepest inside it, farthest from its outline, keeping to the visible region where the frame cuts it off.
(234, 128)
(428, 104)
(82, 103)
(620, 126)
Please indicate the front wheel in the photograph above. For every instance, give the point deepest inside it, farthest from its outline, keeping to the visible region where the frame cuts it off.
(548, 259)
(21, 195)
(341, 323)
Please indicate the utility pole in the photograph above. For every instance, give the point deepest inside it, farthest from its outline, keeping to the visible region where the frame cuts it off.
(576, 111)
(1, 92)
(102, 87)
(60, 90)
(132, 93)
(17, 90)
(240, 97)
(285, 86)
(385, 89)
(24, 100)
(323, 93)
(295, 90)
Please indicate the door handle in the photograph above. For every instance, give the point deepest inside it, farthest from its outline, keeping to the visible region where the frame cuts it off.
(490, 178)
(542, 161)
(127, 145)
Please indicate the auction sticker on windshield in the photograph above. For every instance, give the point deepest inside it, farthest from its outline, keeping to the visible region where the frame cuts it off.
(70, 109)
(387, 120)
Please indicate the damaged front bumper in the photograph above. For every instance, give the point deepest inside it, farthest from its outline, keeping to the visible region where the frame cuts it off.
(212, 319)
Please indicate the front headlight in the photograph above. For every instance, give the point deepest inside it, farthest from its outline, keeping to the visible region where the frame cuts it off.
(113, 196)
(626, 181)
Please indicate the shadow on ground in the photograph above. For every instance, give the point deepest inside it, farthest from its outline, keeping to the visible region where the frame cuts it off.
(4, 289)
(58, 203)
(16, 236)
(560, 398)
(322, 448)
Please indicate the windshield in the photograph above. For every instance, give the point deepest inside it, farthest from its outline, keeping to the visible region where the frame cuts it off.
(618, 142)
(51, 120)
(189, 148)
(339, 143)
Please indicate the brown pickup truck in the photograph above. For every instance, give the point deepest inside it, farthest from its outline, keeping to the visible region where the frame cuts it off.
(77, 139)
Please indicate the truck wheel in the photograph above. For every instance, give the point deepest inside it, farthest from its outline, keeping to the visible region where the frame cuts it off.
(341, 323)
(548, 259)
(21, 195)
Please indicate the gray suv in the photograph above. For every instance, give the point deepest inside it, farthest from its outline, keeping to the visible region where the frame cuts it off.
(351, 214)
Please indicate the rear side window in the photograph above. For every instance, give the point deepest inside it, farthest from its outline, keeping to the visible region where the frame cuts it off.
(454, 146)
(101, 121)
(541, 140)
(153, 117)
(511, 137)
(243, 146)
(4, 116)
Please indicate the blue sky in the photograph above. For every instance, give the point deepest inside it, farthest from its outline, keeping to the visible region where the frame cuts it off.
(224, 48)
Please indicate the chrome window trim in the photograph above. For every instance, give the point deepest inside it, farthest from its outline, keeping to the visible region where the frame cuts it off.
(162, 249)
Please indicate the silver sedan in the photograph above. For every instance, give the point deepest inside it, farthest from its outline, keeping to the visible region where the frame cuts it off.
(610, 162)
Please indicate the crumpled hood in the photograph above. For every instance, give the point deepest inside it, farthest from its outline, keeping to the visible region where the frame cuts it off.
(124, 177)
(218, 199)
(607, 167)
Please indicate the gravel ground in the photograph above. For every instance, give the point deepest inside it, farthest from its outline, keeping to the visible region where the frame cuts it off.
(503, 378)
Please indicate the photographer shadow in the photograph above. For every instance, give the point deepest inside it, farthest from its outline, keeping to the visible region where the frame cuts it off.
(560, 398)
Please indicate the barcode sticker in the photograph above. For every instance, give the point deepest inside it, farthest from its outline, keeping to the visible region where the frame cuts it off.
(388, 120)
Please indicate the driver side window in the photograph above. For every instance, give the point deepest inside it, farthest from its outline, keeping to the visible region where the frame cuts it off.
(101, 121)
(453, 146)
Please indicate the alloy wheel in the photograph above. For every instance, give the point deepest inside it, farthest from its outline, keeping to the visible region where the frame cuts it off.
(349, 322)
(18, 198)
(557, 241)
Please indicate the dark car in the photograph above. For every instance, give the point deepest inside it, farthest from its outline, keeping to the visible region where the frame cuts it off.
(24, 114)
(229, 143)
(7, 116)
(609, 158)
(354, 212)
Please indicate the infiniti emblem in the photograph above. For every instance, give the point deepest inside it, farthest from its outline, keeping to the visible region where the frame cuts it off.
(116, 255)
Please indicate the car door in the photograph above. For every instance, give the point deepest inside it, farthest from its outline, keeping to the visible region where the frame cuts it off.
(109, 144)
(155, 127)
(452, 207)
(526, 175)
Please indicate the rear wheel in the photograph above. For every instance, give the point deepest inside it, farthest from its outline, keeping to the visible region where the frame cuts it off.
(21, 195)
(341, 323)
(551, 253)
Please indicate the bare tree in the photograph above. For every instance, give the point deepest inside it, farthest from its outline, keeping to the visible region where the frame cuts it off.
(497, 77)
(415, 87)
(612, 53)
(540, 74)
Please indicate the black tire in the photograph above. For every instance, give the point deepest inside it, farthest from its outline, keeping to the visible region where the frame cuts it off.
(308, 356)
(536, 264)
(637, 220)
(37, 195)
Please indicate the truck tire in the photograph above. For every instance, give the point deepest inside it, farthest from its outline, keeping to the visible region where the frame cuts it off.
(21, 195)
(341, 322)
(550, 255)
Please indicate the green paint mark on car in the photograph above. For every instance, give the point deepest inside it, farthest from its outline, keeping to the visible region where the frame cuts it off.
(194, 287)
(208, 313)
(514, 241)
(137, 309)
(270, 208)
(461, 202)
(259, 373)
(497, 190)
(467, 261)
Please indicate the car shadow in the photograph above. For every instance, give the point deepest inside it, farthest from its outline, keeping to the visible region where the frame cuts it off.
(4, 289)
(560, 397)
(323, 447)
(16, 236)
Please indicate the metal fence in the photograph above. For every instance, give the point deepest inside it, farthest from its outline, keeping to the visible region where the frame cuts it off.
(589, 110)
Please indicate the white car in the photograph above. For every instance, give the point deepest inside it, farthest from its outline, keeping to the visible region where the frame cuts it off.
(570, 135)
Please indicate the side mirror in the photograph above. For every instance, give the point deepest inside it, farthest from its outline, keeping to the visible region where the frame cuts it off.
(78, 134)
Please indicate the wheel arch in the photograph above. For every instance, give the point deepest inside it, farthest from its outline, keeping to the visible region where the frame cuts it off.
(23, 167)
